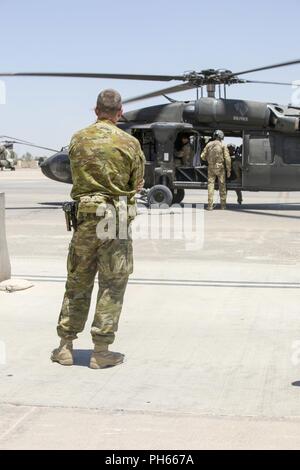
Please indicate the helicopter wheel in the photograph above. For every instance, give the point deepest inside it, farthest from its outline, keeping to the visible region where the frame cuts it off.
(13, 169)
(160, 194)
(179, 196)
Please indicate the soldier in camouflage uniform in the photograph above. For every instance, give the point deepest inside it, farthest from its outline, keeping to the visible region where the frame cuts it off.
(107, 167)
(217, 156)
(184, 154)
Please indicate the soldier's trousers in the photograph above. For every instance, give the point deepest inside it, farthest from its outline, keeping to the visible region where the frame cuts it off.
(88, 255)
(213, 173)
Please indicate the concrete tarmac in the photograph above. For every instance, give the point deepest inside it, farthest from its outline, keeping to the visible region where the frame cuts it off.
(210, 328)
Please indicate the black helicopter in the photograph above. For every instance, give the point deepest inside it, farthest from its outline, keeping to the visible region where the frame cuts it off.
(270, 159)
(8, 157)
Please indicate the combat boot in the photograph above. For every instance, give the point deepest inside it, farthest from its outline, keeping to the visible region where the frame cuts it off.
(210, 207)
(101, 357)
(64, 353)
(223, 206)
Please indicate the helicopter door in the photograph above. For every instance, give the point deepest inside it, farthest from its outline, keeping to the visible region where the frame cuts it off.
(271, 161)
(258, 158)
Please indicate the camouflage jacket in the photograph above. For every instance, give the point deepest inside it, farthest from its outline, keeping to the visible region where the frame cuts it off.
(217, 155)
(106, 163)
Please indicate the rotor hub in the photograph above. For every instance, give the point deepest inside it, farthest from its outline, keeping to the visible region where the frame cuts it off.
(212, 77)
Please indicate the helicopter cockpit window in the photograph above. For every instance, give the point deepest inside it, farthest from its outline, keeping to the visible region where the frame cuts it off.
(291, 151)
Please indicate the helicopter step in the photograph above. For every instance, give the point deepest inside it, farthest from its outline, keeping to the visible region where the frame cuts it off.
(201, 185)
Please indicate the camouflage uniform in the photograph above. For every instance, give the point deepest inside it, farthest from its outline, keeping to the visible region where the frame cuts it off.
(217, 156)
(106, 163)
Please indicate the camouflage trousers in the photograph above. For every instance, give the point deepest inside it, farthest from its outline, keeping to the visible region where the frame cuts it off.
(219, 173)
(88, 255)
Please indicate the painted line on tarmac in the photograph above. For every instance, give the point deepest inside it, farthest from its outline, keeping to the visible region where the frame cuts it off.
(181, 282)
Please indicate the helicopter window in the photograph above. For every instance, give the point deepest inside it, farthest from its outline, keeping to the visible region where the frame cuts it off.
(291, 151)
(261, 150)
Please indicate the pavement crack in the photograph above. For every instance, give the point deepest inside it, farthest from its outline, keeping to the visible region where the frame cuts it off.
(17, 423)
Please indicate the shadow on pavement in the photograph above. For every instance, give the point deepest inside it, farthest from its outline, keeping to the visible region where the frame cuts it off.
(51, 203)
(82, 357)
(37, 208)
(266, 207)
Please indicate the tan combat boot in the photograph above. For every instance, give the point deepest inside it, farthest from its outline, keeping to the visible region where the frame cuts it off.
(101, 357)
(64, 353)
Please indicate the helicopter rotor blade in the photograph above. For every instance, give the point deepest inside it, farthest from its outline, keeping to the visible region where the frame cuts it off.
(14, 139)
(153, 94)
(29, 144)
(268, 67)
(118, 76)
(271, 83)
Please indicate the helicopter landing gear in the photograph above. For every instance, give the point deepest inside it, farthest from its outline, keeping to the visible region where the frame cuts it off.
(160, 194)
(13, 169)
(179, 196)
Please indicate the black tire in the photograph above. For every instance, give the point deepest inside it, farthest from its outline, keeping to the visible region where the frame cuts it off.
(160, 194)
(179, 196)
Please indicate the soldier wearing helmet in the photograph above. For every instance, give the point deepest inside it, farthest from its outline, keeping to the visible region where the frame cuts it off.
(217, 156)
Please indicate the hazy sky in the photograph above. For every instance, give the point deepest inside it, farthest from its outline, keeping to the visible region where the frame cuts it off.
(158, 36)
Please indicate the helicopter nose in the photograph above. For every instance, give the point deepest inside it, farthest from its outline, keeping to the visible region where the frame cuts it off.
(57, 167)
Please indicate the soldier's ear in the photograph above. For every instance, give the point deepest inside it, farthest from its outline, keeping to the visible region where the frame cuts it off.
(120, 113)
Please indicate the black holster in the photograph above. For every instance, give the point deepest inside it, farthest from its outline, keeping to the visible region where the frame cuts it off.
(70, 210)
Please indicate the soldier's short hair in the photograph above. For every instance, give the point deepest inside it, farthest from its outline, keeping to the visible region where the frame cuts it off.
(109, 102)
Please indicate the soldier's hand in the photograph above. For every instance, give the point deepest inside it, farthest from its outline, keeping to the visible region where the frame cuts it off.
(228, 174)
(140, 185)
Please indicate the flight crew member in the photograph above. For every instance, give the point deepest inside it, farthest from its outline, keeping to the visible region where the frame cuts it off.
(237, 167)
(184, 154)
(217, 156)
(107, 164)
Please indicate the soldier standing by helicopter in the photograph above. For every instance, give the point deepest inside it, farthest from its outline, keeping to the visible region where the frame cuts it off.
(236, 164)
(217, 156)
(107, 164)
(238, 168)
